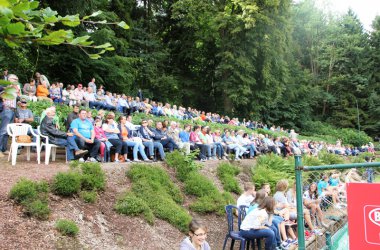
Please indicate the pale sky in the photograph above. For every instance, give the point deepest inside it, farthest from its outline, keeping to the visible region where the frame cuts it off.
(366, 10)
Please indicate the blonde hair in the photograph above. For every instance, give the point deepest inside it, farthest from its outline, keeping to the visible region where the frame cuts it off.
(248, 186)
(282, 185)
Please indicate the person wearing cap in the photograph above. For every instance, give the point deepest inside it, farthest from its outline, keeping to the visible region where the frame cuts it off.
(42, 92)
(23, 114)
(79, 94)
(7, 117)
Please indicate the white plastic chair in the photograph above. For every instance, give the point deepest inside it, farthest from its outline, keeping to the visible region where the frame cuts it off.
(50, 149)
(17, 129)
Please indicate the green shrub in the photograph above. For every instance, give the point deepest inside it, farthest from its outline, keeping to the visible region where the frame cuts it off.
(89, 196)
(129, 204)
(67, 184)
(199, 185)
(329, 159)
(24, 190)
(38, 208)
(156, 176)
(277, 163)
(263, 174)
(93, 176)
(33, 196)
(226, 173)
(67, 227)
(184, 164)
(152, 190)
(212, 203)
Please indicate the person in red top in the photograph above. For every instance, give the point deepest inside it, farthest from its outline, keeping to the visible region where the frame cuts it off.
(194, 139)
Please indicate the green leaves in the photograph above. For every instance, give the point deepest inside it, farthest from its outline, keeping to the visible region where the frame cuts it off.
(71, 20)
(16, 28)
(20, 23)
(123, 25)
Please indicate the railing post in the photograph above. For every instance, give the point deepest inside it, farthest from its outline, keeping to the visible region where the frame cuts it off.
(328, 241)
(300, 217)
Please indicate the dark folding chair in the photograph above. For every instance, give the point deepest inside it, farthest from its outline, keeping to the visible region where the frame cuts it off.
(234, 235)
(242, 213)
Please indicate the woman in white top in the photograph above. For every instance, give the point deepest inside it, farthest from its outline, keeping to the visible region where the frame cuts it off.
(256, 224)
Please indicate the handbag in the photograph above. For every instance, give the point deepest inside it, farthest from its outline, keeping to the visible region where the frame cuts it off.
(23, 139)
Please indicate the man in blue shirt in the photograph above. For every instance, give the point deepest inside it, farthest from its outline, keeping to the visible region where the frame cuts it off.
(85, 135)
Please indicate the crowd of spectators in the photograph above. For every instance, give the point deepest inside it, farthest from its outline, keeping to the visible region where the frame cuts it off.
(150, 140)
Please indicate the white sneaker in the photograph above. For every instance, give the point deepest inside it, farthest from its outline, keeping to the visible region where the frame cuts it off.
(81, 160)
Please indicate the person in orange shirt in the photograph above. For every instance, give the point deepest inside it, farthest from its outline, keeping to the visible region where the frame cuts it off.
(42, 92)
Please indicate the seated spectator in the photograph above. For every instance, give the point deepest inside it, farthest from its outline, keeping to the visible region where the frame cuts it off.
(29, 90)
(184, 137)
(194, 138)
(130, 141)
(89, 116)
(221, 147)
(248, 196)
(65, 94)
(173, 132)
(72, 97)
(291, 198)
(325, 190)
(108, 102)
(312, 202)
(105, 145)
(231, 145)
(161, 137)
(147, 135)
(55, 93)
(23, 114)
(72, 116)
(89, 96)
(246, 143)
(197, 237)
(58, 137)
(79, 95)
(257, 224)
(122, 105)
(112, 133)
(42, 92)
(85, 135)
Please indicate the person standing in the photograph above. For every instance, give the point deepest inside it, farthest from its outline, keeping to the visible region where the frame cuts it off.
(369, 171)
(7, 117)
(92, 85)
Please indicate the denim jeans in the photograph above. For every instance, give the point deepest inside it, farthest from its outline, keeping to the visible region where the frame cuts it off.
(219, 149)
(137, 147)
(92, 147)
(70, 145)
(160, 148)
(169, 143)
(268, 234)
(275, 223)
(7, 117)
(150, 146)
(251, 149)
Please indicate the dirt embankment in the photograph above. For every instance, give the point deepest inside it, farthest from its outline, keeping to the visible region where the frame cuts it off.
(100, 226)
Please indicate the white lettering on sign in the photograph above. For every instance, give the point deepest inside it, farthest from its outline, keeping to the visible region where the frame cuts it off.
(374, 216)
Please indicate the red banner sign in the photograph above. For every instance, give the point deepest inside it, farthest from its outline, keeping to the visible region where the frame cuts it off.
(363, 201)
